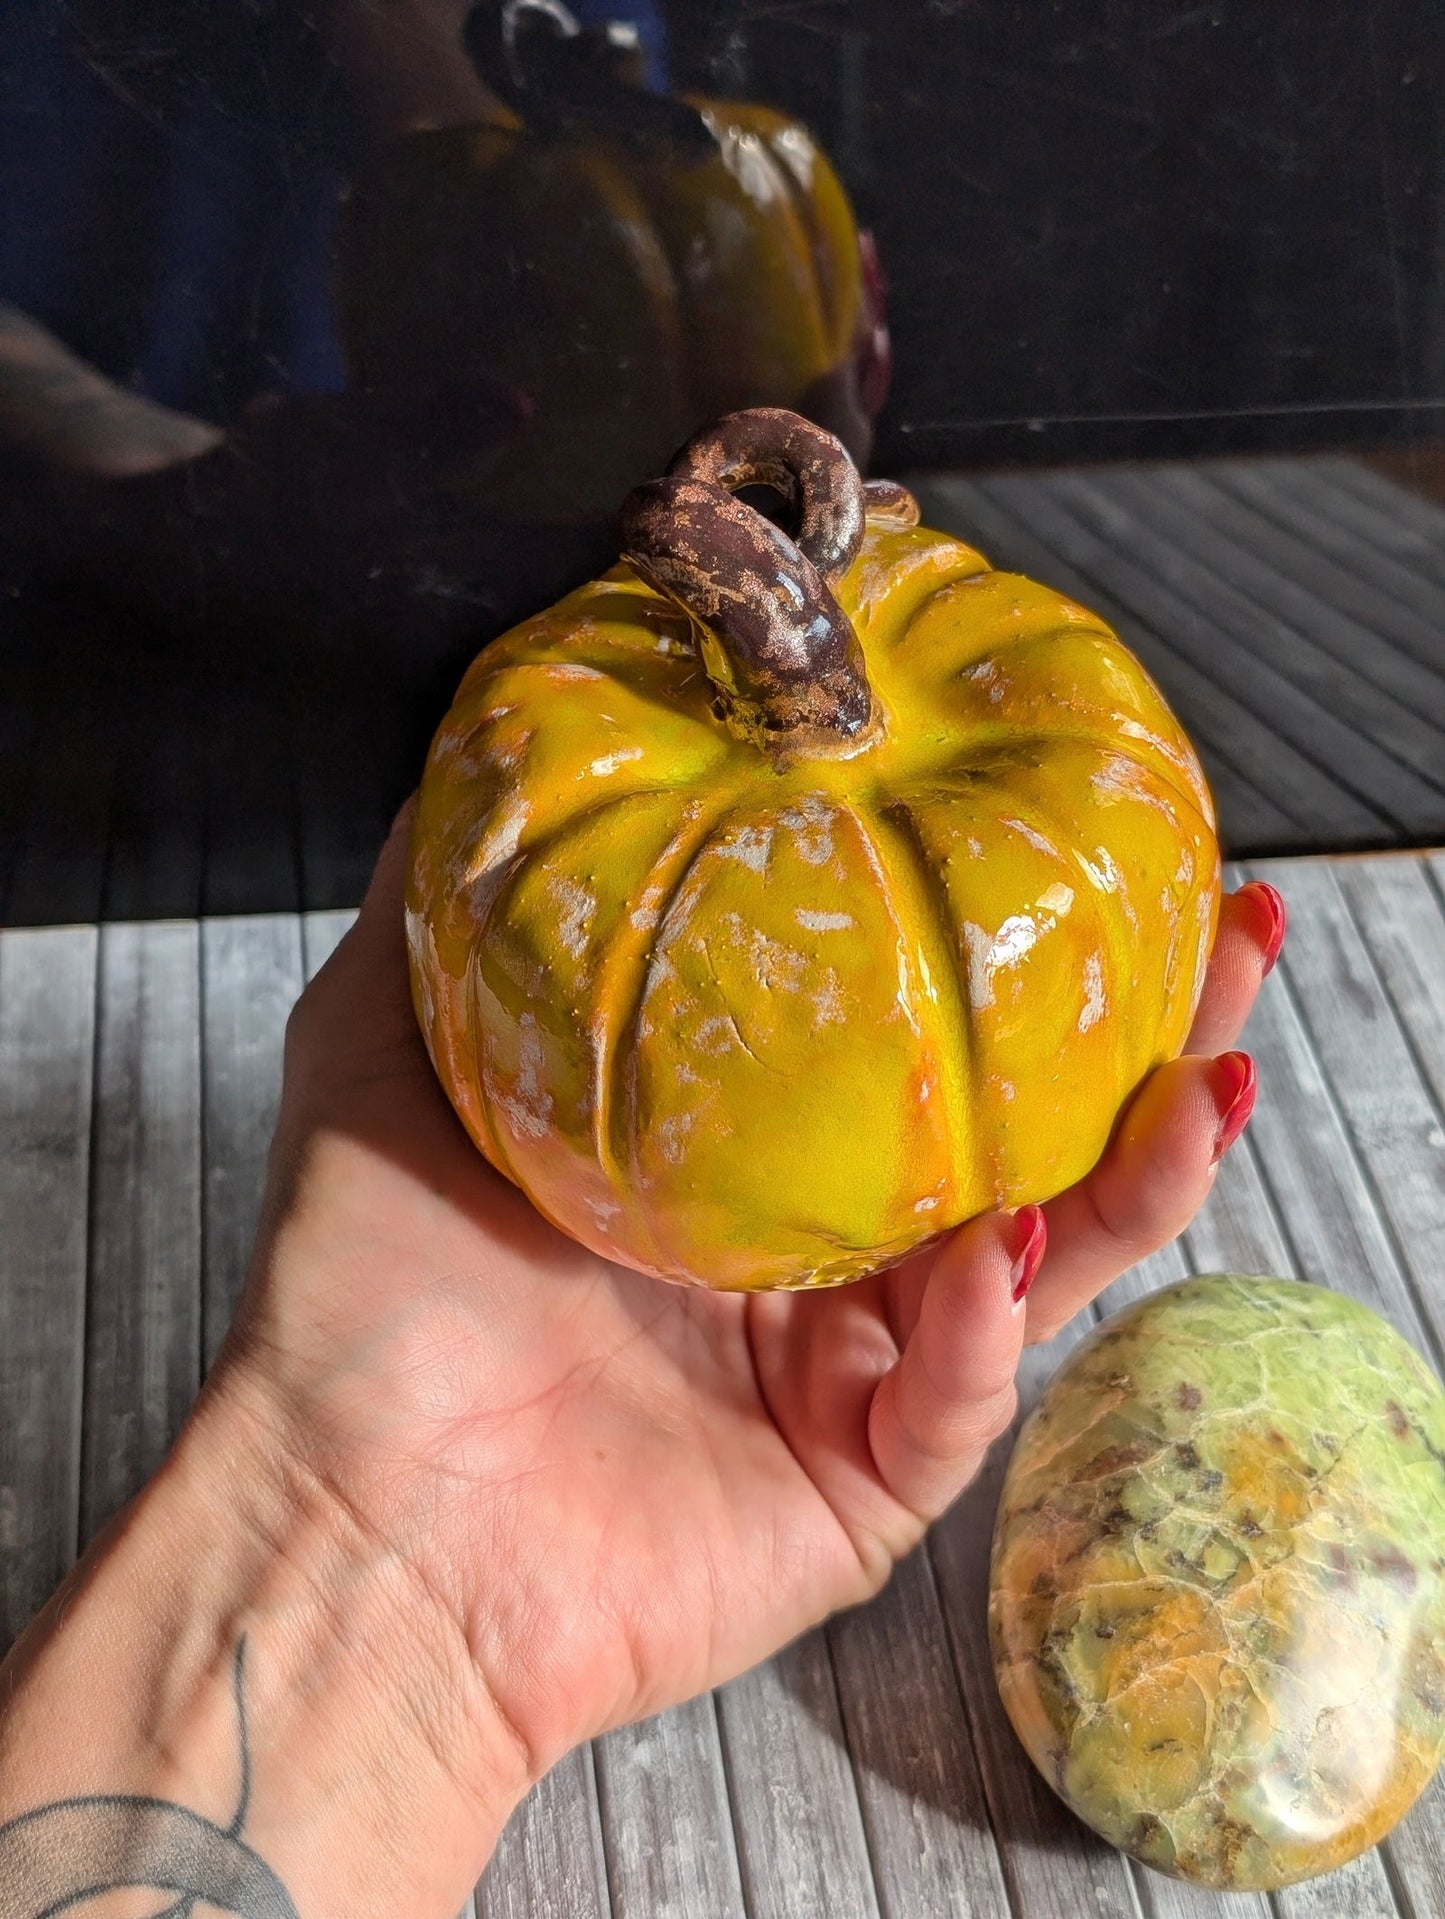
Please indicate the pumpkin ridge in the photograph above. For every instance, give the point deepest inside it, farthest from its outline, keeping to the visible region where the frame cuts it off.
(1113, 940)
(1118, 931)
(1175, 753)
(615, 1088)
(606, 674)
(494, 1146)
(547, 837)
(1006, 748)
(894, 823)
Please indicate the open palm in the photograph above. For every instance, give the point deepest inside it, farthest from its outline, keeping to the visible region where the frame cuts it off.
(618, 1490)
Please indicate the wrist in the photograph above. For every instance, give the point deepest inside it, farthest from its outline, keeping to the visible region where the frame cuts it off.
(238, 1647)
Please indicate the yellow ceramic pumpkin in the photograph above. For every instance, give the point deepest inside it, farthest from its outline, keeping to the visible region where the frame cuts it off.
(776, 905)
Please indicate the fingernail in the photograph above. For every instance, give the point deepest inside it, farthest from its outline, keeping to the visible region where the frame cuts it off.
(1234, 1088)
(1030, 1236)
(1274, 919)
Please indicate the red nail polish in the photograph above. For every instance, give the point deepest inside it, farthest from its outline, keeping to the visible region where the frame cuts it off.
(1030, 1236)
(1274, 915)
(1234, 1087)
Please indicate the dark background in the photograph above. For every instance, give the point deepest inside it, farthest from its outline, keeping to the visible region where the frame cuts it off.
(1112, 228)
(1109, 230)
(1108, 227)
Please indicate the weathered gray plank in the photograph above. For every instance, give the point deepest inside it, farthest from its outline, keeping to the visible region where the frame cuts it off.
(1359, 1890)
(47, 1027)
(1332, 608)
(251, 975)
(1040, 538)
(321, 934)
(1313, 1175)
(1053, 1866)
(1236, 1230)
(1402, 921)
(1164, 1898)
(143, 1340)
(800, 1833)
(1393, 518)
(549, 1863)
(918, 1778)
(1394, 1124)
(666, 1822)
(1329, 712)
(1350, 570)
(17, 770)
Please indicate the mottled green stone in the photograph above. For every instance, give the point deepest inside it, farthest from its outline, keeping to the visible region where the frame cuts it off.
(1218, 1587)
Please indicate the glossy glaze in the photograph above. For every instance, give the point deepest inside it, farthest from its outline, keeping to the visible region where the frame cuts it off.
(750, 1020)
(1218, 1592)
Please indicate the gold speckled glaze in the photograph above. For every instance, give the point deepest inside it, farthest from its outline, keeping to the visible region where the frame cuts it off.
(1218, 1590)
(752, 1022)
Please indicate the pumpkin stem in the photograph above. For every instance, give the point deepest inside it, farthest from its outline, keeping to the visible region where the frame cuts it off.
(556, 74)
(781, 651)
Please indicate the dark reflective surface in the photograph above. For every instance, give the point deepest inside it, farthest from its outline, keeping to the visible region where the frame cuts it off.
(333, 338)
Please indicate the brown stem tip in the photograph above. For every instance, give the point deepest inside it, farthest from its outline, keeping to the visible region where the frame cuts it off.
(780, 649)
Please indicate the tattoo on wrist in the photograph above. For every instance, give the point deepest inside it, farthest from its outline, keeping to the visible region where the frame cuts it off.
(62, 1855)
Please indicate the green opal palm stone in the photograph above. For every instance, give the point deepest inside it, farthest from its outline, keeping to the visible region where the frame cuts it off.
(1218, 1586)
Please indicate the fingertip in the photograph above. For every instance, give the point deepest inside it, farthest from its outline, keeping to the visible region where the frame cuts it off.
(1031, 1236)
(1156, 1173)
(970, 1325)
(1251, 932)
(1235, 1085)
(991, 1260)
(1268, 916)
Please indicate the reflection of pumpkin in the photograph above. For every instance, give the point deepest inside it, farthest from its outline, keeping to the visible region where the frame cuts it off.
(762, 1008)
(626, 291)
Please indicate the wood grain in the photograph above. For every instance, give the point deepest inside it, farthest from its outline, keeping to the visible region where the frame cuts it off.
(549, 1863)
(1309, 700)
(47, 1029)
(1383, 533)
(1325, 606)
(143, 1342)
(251, 976)
(666, 1818)
(801, 1841)
(919, 1785)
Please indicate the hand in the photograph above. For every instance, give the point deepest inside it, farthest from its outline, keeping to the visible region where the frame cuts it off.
(616, 1491)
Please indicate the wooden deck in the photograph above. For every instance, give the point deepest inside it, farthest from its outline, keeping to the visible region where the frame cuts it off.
(1292, 610)
(867, 1772)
